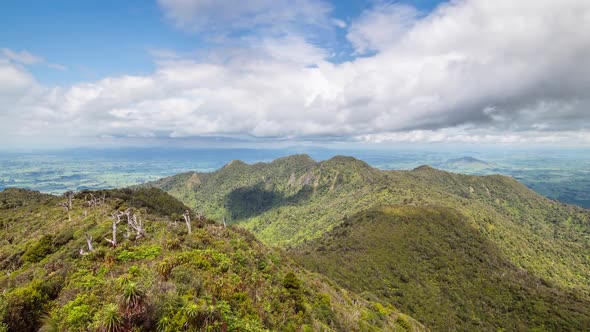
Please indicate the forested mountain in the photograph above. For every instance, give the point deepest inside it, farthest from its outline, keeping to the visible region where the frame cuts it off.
(126, 260)
(288, 245)
(483, 250)
(430, 262)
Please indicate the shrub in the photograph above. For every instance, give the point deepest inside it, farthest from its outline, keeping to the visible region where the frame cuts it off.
(39, 250)
(24, 307)
(293, 285)
(63, 237)
(109, 319)
(403, 323)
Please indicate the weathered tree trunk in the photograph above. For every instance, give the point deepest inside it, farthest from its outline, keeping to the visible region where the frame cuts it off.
(66, 206)
(69, 195)
(187, 219)
(89, 242)
(136, 224)
(116, 221)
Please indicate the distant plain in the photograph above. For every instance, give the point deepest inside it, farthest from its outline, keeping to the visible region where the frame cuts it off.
(560, 174)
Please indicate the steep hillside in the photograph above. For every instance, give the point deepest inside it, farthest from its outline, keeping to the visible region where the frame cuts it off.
(294, 201)
(283, 202)
(60, 271)
(433, 264)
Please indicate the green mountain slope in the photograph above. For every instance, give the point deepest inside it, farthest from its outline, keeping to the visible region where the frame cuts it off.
(432, 263)
(293, 201)
(284, 202)
(158, 276)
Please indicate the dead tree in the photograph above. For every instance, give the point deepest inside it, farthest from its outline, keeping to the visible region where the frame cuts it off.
(69, 195)
(66, 206)
(187, 219)
(128, 232)
(223, 221)
(134, 222)
(93, 201)
(90, 246)
(116, 220)
(89, 242)
(200, 216)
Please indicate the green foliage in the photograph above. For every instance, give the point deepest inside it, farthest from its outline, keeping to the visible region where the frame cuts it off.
(458, 252)
(295, 200)
(154, 200)
(140, 252)
(430, 262)
(63, 237)
(13, 198)
(24, 307)
(77, 314)
(39, 249)
(215, 279)
(109, 319)
(293, 286)
(403, 324)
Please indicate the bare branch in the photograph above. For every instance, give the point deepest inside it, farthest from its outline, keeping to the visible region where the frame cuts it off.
(89, 242)
(67, 207)
(187, 220)
(137, 224)
(93, 201)
(116, 220)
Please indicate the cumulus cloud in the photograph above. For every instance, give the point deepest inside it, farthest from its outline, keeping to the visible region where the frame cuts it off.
(470, 71)
(382, 27)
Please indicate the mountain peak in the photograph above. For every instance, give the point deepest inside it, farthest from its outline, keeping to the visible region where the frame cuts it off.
(296, 158)
(235, 163)
(347, 160)
(424, 168)
(468, 159)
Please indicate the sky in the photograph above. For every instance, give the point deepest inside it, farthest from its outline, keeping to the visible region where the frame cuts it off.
(271, 72)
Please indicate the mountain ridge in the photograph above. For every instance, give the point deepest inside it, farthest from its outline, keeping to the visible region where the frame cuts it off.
(289, 205)
(74, 269)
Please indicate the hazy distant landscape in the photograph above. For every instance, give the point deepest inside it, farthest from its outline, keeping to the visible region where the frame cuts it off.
(560, 175)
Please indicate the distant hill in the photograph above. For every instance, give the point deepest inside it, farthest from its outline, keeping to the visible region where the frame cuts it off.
(162, 278)
(466, 163)
(295, 202)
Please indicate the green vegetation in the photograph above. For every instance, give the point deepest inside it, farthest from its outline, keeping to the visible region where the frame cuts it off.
(305, 199)
(294, 202)
(457, 252)
(213, 279)
(430, 262)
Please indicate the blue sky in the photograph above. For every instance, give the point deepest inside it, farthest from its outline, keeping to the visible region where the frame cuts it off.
(95, 39)
(369, 72)
(92, 39)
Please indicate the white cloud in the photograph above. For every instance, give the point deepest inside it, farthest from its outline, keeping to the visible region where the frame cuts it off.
(292, 48)
(225, 16)
(26, 58)
(382, 27)
(477, 136)
(339, 23)
(13, 78)
(23, 57)
(471, 71)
